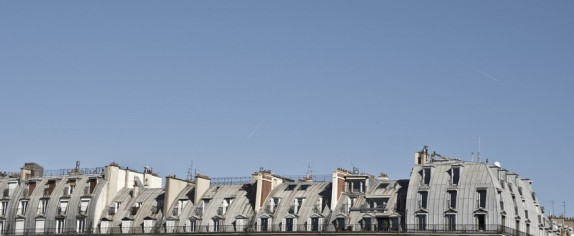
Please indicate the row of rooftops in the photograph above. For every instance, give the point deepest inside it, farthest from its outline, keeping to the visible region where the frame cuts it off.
(122, 198)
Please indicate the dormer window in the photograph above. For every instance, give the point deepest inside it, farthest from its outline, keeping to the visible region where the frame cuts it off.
(23, 207)
(383, 185)
(291, 187)
(224, 205)
(423, 199)
(180, 206)
(304, 187)
(378, 204)
(297, 203)
(451, 198)
(84, 203)
(63, 207)
(481, 198)
(3, 207)
(273, 202)
(454, 175)
(72, 186)
(356, 185)
(426, 175)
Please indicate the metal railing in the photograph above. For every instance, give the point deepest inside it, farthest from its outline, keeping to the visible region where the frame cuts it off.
(230, 180)
(438, 229)
(81, 171)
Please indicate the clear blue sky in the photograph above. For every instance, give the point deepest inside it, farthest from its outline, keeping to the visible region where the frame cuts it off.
(238, 85)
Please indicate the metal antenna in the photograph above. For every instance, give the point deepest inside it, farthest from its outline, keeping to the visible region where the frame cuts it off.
(309, 169)
(564, 211)
(478, 154)
(552, 207)
(190, 171)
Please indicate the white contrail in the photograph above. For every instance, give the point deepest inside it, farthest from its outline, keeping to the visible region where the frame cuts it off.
(255, 129)
(487, 75)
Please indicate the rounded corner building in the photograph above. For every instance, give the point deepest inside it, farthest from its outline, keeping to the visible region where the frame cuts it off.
(443, 196)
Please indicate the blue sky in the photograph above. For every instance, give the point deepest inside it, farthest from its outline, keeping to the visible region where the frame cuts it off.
(238, 85)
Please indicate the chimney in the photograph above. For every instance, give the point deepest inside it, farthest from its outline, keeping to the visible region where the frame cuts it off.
(173, 188)
(383, 176)
(421, 157)
(264, 182)
(338, 186)
(202, 183)
(135, 190)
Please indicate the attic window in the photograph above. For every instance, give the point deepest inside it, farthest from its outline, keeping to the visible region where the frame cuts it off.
(291, 187)
(383, 185)
(304, 187)
(426, 175)
(455, 175)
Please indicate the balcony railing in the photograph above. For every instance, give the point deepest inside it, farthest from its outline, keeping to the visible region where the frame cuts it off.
(441, 229)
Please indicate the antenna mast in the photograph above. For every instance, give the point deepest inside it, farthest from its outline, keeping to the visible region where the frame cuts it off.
(190, 171)
(309, 169)
(478, 154)
(564, 211)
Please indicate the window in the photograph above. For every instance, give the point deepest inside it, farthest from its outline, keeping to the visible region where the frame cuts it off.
(60, 226)
(304, 187)
(315, 224)
(450, 222)
(192, 225)
(481, 198)
(239, 225)
(80, 225)
(481, 221)
(217, 223)
(72, 185)
(84, 203)
(3, 208)
(127, 225)
(63, 207)
(264, 224)
(43, 206)
(421, 222)
(19, 229)
(378, 203)
(117, 206)
(297, 203)
(357, 186)
(23, 207)
(451, 199)
(515, 205)
(455, 175)
(40, 222)
(426, 175)
(289, 224)
(367, 225)
(291, 187)
(383, 185)
(340, 224)
(423, 197)
(520, 191)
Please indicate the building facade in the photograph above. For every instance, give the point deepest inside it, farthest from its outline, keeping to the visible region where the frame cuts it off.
(443, 196)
